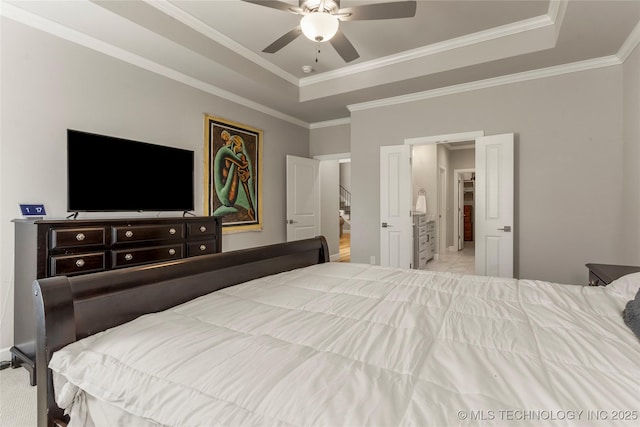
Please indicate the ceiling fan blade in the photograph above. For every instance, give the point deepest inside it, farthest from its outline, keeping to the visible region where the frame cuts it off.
(283, 41)
(399, 9)
(275, 4)
(343, 46)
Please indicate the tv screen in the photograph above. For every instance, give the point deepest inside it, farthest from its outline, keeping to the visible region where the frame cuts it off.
(114, 174)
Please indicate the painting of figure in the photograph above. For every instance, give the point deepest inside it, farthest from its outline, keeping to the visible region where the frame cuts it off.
(233, 154)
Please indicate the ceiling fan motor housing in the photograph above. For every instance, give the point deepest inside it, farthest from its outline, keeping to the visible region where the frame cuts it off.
(329, 6)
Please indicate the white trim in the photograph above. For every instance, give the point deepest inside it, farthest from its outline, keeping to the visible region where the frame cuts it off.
(524, 76)
(194, 23)
(66, 33)
(331, 123)
(337, 156)
(629, 44)
(5, 354)
(556, 11)
(451, 137)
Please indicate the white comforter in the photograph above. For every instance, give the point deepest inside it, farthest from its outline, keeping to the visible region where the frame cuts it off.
(352, 345)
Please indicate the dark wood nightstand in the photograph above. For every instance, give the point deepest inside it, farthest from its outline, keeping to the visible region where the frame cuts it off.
(603, 274)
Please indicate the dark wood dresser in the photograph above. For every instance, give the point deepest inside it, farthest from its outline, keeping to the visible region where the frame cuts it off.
(603, 274)
(46, 248)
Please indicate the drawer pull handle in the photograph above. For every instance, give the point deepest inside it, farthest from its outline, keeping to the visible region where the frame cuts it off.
(203, 247)
(79, 263)
(172, 231)
(129, 233)
(172, 251)
(203, 228)
(128, 257)
(80, 237)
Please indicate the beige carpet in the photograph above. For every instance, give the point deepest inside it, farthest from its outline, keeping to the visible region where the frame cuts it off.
(17, 399)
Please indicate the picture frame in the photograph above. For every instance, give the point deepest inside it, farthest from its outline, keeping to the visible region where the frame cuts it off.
(233, 174)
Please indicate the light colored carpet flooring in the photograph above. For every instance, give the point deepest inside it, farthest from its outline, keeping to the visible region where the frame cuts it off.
(17, 399)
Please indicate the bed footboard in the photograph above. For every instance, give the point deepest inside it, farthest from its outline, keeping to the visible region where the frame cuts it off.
(71, 308)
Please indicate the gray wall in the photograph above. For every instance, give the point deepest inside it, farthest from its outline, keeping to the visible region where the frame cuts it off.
(630, 230)
(330, 140)
(49, 85)
(569, 158)
(463, 159)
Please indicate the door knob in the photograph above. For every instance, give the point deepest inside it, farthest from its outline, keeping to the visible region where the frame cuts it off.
(506, 229)
(385, 225)
(290, 221)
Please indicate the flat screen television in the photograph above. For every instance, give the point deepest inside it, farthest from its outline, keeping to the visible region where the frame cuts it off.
(108, 174)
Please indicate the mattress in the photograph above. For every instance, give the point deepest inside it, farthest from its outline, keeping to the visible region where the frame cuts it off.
(341, 344)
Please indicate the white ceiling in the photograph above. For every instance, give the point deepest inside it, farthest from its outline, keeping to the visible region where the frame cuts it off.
(449, 45)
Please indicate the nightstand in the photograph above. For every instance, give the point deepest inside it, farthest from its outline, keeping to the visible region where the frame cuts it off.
(603, 274)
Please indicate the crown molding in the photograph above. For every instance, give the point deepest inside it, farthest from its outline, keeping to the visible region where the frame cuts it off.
(629, 44)
(432, 49)
(331, 123)
(27, 18)
(194, 23)
(557, 70)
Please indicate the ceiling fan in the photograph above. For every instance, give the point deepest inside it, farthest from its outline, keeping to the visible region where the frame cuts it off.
(320, 21)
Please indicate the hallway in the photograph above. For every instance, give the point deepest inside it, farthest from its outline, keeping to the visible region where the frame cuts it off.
(345, 247)
(458, 262)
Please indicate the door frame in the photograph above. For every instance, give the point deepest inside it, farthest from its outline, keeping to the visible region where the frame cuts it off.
(442, 209)
(438, 139)
(330, 227)
(459, 208)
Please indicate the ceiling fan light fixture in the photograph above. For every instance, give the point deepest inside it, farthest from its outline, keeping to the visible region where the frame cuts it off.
(319, 26)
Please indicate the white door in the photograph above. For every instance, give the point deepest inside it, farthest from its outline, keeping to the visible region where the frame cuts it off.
(494, 205)
(303, 198)
(396, 225)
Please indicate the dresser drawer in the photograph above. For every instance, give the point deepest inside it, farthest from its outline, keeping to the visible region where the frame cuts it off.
(422, 243)
(201, 229)
(129, 257)
(143, 233)
(69, 265)
(201, 248)
(422, 259)
(76, 237)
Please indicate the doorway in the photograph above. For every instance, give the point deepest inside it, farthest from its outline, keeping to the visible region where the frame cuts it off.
(494, 210)
(435, 169)
(345, 210)
(335, 170)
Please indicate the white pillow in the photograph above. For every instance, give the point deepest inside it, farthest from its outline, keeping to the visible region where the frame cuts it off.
(626, 286)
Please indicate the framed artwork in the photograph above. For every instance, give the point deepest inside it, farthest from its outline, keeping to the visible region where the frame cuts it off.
(233, 174)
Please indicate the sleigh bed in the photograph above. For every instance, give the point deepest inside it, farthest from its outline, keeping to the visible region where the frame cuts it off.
(278, 335)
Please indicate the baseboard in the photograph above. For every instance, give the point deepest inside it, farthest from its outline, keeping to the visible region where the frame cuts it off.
(334, 257)
(5, 354)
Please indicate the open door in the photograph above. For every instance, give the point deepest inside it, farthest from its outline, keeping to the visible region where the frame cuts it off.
(396, 225)
(303, 198)
(494, 205)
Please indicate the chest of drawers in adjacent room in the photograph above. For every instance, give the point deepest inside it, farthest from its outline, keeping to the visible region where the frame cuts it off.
(423, 245)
